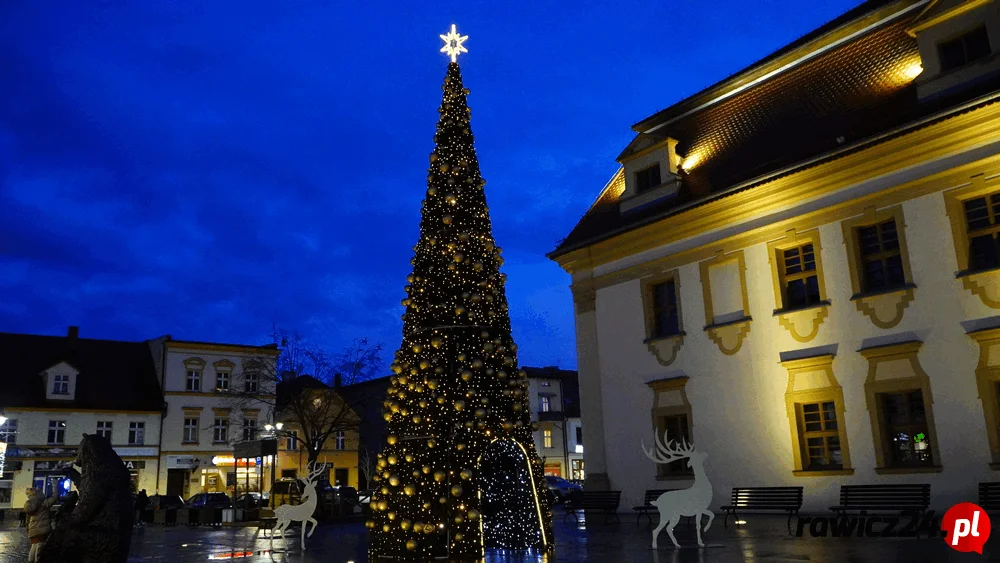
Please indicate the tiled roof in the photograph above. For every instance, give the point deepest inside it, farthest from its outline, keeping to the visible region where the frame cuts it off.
(848, 95)
(114, 375)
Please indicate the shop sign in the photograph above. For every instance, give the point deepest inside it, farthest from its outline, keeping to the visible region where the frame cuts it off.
(181, 462)
(134, 465)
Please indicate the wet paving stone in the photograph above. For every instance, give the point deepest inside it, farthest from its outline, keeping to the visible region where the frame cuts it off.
(763, 540)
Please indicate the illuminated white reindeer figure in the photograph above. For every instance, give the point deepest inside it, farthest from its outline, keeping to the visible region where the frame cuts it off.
(288, 513)
(692, 501)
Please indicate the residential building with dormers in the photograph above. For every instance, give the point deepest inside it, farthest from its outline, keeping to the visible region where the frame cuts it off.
(798, 268)
(54, 389)
(216, 395)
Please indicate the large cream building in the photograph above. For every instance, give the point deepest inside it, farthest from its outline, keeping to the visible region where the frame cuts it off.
(216, 395)
(798, 268)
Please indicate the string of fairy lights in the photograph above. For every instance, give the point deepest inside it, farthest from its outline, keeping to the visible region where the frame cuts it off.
(457, 408)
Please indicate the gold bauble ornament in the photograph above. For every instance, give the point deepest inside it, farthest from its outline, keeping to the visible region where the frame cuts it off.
(458, 537)
(436, 342)
(426, 469)
(451, 199)
(462, 357)
(446, 219)
(428, 529)
(394, 480)
(466, 474)
(410, 490)
(424, 364)
(392, 439)
(417, 418)
(416, 349)
(459, 519)
(391, 516)
(370, 524)
(393, 459)
(459, 405)
(477, 364)
(431, 443)
(387, 416)
(480, 413)
(443, 167)
(460, 446)
(410, 544)
(456, 491)
(459, 310)
(473, 515)
(405, 525)
(466, 375)
(432, 384)
(386, 528)
(408, 458)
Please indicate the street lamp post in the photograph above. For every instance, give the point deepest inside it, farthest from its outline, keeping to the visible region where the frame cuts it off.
(273, 432)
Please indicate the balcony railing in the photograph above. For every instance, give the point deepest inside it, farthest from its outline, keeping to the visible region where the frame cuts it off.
(547, 416)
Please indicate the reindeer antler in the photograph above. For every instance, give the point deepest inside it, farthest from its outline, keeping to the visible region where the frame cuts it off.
(667, 453)
(315, 470)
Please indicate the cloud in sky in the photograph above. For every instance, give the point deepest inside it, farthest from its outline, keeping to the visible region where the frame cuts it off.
(206, 169)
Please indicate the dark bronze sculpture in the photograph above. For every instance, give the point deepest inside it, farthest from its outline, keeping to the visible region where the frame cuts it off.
(98, 529)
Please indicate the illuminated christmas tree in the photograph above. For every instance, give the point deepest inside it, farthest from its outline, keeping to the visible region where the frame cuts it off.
(459, 470)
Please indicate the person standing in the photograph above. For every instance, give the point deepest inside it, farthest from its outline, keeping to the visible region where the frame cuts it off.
(38, 509)
(141, 502)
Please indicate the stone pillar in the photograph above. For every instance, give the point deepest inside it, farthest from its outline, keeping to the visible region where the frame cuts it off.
(591, 399)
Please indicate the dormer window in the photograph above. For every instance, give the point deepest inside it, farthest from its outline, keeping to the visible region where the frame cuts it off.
(964, 49)
(647, 178)
(60, 384)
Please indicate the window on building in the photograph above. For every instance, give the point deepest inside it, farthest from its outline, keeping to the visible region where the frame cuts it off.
(906, 430)
(666, 321)
(544, 403)
(965, 49)
(292, 441)
(104, 429)
(880, 257)
(193, 380)
(288, 473)
(647, 178)
(547, 439)
(820, 436)
(60, 384)
(190, 430)
(8, 431)
(798, 276)
(249, 429)
(340, 440)
(136, 433)
(674, 428)
(57, 431)
(546, 383)
(251, 382)
(222, 381)
(983, 228)
(579, 435)
(220, 431)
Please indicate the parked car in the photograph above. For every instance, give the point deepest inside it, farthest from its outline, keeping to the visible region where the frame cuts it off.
(561, 488)
(210, 500)
(252, 500)
(163, 502)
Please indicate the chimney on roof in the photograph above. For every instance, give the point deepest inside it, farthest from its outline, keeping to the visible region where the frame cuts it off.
(337, 380)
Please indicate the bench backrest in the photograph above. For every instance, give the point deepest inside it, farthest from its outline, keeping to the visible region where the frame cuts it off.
(888, 496)
(653, 494)
(764, 497)
(989, 496)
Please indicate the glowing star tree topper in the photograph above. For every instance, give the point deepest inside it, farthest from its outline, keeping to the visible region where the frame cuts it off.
(453, 43)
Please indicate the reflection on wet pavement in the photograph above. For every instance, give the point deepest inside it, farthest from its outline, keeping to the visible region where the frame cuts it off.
(762, 540)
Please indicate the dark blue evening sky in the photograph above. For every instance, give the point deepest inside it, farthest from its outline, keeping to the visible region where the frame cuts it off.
(206, 169)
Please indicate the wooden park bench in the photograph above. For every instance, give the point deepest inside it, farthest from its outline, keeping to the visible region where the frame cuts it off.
(884, 499)
(602, 501)
(989, 497)
(757, 499)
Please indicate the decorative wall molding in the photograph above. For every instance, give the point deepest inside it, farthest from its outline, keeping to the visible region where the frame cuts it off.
(729, 337)
(665, 349)
(985, 286)
(803, 324)
(988, 384)
(885, 310)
